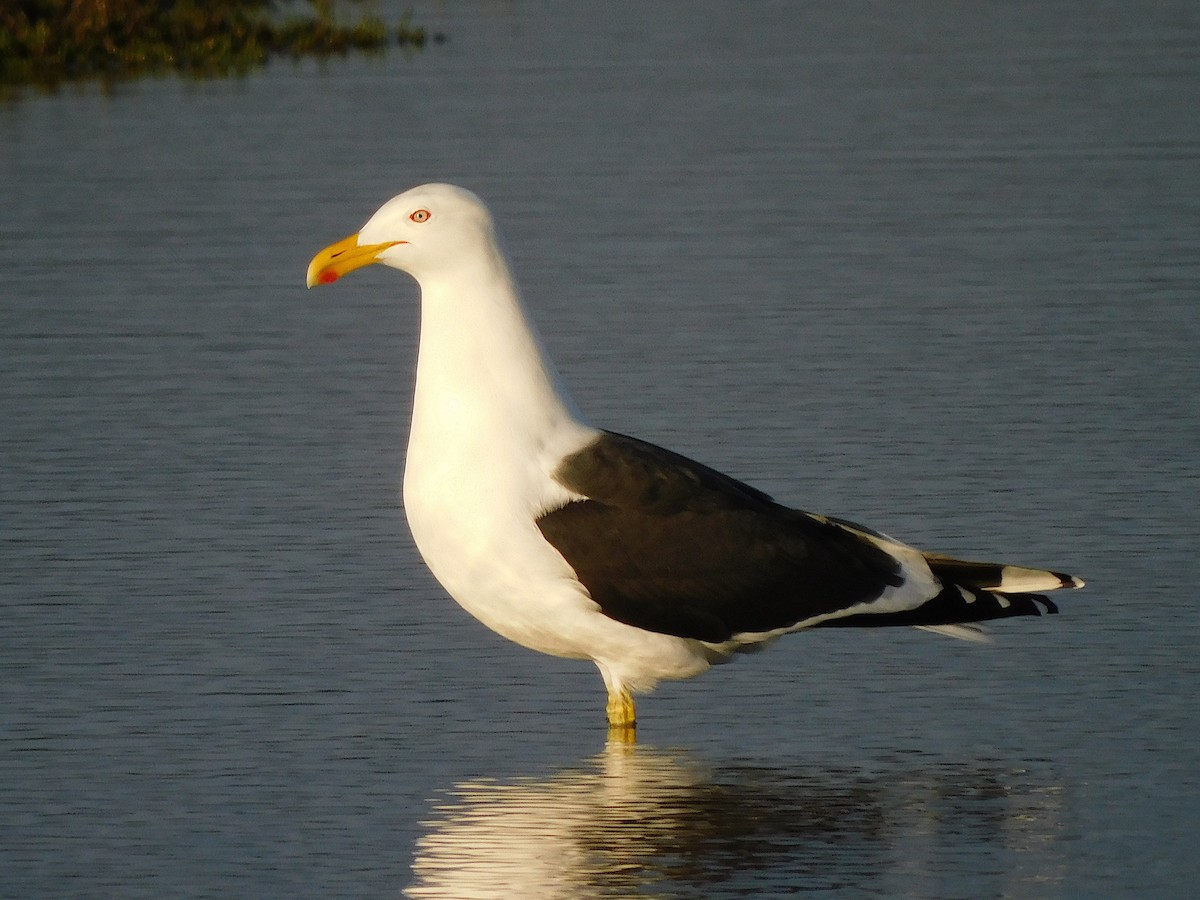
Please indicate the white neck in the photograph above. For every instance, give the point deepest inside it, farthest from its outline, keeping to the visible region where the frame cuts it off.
(488, 402)
(478, 349)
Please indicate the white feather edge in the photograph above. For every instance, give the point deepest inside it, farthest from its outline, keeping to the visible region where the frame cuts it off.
(974, 633)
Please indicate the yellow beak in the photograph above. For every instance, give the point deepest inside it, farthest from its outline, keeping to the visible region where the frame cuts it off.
(345, 256)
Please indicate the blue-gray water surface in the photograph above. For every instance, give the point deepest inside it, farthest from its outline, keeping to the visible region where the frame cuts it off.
(933, 267)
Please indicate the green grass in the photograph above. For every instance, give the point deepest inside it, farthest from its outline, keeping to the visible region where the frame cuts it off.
(49, 42)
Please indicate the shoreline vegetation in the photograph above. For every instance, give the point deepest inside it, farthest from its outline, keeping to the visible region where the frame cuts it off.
(47, 43)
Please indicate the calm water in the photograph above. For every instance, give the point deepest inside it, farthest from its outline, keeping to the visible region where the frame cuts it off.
(935, 268)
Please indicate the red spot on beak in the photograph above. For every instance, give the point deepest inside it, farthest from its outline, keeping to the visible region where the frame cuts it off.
(327, 277)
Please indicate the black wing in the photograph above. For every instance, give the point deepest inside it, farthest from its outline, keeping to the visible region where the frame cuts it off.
(669, 545)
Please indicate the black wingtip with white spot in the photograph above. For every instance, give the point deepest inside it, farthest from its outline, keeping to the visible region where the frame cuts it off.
(956, 605)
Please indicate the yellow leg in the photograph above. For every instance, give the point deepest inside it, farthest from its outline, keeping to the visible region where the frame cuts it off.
(622, 713)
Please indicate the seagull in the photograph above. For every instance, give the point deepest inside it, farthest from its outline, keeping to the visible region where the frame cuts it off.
(588, 544)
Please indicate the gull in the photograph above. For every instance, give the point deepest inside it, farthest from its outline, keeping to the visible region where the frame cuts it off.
(588, 544)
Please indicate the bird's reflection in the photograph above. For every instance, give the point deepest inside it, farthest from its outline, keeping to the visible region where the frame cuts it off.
(639, 822)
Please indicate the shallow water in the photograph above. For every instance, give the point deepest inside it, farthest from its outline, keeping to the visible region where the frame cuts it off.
(934, 269)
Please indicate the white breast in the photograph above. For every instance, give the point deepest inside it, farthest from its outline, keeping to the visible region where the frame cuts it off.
(489, 427)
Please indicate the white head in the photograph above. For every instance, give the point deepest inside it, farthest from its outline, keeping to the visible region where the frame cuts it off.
(425, 230)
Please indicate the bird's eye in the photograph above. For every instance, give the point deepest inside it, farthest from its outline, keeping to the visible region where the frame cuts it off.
(421, 215)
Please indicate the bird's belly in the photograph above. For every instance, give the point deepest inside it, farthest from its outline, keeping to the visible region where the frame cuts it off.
(506, 575)
(472, 511)
(498, 567)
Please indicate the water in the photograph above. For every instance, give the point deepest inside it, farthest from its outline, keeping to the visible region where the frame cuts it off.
(933, 268)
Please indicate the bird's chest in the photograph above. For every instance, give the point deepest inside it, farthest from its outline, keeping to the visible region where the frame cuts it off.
(463, 506)
(488, 431)
(471, 496)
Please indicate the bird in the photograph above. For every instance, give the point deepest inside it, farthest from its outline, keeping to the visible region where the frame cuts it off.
(590, 544)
